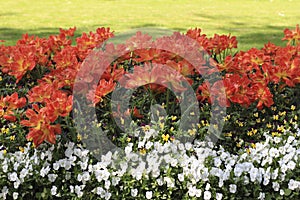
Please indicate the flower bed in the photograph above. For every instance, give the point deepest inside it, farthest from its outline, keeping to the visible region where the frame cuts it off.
(183, 116)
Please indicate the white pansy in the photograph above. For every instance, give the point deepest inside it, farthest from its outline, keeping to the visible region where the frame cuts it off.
(276, 186)
(207, 195)
(219, 196)
(134, 192)
(192, 191)
(293, 184)
(232, 188)
(149, 144)
(281, 192)
(273, 152)
(207, 187)
(100, 191)
(217, 162)
(149, 195)
(78, 191)
(262, 196)
(15, 195)
(107, 195)
(53, 190)
(12, 176)
(52, 177)
(55, 166)
(291, 165)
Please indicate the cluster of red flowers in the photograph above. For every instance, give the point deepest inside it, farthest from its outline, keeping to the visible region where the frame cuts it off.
(246, 76)
(51, 96)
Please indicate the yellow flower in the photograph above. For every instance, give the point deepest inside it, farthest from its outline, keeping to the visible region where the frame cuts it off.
(122, 121)
(228, 134)
(275, 117)
(269, 125)
(172, 128)
(173, 118)
(4, 151)
(0, 78)
(146, 128)
(12, 138)
(296, 117)
(161, 125)
(21, 149)
(255, 114)
(253, 145)
(172, 138)
(79, 137)
(248, 151)
(143, 151)
(192, 131)
(293, 107)
(98, 125)
(165, 137)
(274, 108)
(192, 113)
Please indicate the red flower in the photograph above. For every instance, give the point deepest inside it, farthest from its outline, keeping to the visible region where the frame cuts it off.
(59, 104)
(104, 87)
(292, 35)
(40, 125)
(263, 95)
(136, 113)
(10, 103)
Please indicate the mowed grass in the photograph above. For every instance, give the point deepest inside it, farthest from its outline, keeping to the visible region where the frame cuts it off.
(254, 22)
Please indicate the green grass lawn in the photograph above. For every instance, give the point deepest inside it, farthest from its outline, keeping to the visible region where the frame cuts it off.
(254, 22)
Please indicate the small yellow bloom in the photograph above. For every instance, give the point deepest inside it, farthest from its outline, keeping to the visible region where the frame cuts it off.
(165, 137)
(128, 139)
(21, 149)
(79, 137)
(146, 128)
(192, 113)
(174, 118)
(161, 125)
(172, 129)
(293, 107)
(255, 114)
(172, 138)
(248, 151)
(269, 125)
(238, 144)
(253, 145)
(296, 117)
(273, 108)
(282, 113)
(98, 125)
(4, 151)
(258, 120)
(12, 138)
(192, 131)
(275, 117)
(122, 121)
(0, 78)
(228, 134)
(143, 151)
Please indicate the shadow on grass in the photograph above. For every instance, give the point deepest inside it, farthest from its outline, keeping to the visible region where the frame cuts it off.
(11, 35)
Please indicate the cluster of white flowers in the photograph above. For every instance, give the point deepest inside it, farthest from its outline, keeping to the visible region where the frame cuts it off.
(201, 170)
